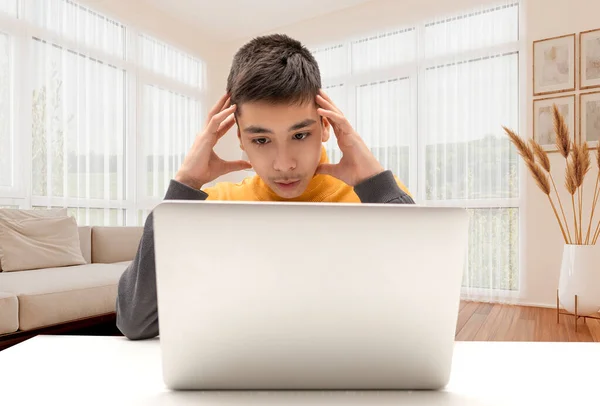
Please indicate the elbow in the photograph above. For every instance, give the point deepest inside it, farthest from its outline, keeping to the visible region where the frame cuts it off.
(136, 329)
(135, 326)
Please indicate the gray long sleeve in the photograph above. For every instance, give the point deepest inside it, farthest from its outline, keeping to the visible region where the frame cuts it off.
(137, 308)
(382, 188)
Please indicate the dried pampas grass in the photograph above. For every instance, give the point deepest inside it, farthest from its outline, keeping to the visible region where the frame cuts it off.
(563, 141)
(578, 165)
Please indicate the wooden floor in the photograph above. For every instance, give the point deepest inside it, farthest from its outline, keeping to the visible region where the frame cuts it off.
(497, 322)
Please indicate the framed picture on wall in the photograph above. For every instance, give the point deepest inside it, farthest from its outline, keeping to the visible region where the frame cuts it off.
(589, 118)
(543, 119)
(554, 65)
(589, 59)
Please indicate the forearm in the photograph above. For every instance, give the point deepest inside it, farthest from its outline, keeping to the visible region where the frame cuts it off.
(137, 308)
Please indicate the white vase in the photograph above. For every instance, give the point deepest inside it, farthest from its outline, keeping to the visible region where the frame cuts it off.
(580, 275)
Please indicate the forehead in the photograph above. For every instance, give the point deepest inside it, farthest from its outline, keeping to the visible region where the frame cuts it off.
(275, 116)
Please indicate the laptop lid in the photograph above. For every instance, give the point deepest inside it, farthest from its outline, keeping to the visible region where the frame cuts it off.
(307, 295)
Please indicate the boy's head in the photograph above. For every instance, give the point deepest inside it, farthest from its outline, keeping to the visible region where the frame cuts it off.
(274, 81)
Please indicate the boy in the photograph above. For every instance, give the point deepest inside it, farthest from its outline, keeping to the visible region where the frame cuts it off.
(283, 117)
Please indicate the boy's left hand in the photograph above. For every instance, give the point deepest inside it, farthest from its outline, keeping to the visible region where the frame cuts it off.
(357, 163)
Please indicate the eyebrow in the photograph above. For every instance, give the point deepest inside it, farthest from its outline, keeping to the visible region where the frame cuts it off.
(254, 129)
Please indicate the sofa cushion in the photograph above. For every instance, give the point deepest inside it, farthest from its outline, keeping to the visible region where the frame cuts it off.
(56, 295)
(115, 244)
(9, 313)
(35, 243)
(19, 214)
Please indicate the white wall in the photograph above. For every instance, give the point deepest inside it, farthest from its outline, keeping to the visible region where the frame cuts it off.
(542, 243)
(543, 240)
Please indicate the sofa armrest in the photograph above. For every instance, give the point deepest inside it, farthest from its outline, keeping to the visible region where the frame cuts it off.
(115, 244)
(85, 242)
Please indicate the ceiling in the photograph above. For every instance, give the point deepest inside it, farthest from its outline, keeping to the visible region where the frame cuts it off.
(230, 20)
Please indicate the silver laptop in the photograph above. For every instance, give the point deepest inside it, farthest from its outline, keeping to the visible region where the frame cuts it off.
(307, 296)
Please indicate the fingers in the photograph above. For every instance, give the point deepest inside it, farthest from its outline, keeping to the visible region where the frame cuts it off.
(225, 126)
(217, 119)
(234, 166)
(222, 103)
(337, 120)
(324, 101)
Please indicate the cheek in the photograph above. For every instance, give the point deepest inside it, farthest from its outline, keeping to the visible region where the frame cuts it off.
(257, 159)
(261, 160)
(310, 154)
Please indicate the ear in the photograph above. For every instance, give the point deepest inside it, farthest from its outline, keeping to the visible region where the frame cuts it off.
(325, 129)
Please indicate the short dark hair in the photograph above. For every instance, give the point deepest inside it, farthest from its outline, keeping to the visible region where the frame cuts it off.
(273, 68)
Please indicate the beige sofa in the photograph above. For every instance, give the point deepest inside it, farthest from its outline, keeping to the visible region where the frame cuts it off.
(38, 298)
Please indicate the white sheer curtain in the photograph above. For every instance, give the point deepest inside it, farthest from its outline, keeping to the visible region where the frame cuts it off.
(429, 100)
(159, 57)
(171, 114)
(165, 112)
(6, 138)
(9, 7)
(95, 116)
(78, 111)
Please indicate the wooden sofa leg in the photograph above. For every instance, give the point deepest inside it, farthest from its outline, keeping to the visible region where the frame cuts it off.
(102, 325)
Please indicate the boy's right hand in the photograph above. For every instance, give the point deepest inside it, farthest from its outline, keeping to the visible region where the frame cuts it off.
(201, 164)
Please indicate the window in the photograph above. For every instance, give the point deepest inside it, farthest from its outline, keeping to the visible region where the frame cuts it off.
(383, 126)
(97, 217)
(430, 101)
(75, 23)
(6, 139)
(477, 30)
(78, 115)
(166, 112)
(78, 126)
(467, 156)
(171, 95)
(112, 114)
(9, 7)
(493, 253)
(163, 59)
(384, 50)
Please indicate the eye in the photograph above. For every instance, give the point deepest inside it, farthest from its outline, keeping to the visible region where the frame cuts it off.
(260, 141)
(301, 136)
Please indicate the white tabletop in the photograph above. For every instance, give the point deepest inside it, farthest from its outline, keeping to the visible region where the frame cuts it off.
(72, 370)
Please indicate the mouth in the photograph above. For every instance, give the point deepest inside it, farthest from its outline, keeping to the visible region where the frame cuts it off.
(287, 184)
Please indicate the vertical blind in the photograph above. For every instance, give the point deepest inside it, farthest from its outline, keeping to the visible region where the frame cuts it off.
(112, 112)
(429, 100)
(6, 138)
(9, 7)
(165, 111)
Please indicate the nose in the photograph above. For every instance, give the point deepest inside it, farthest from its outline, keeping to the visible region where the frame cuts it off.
(284, 161)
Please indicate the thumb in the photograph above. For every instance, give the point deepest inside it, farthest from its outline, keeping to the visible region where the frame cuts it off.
(328, 169)
(234, 166)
